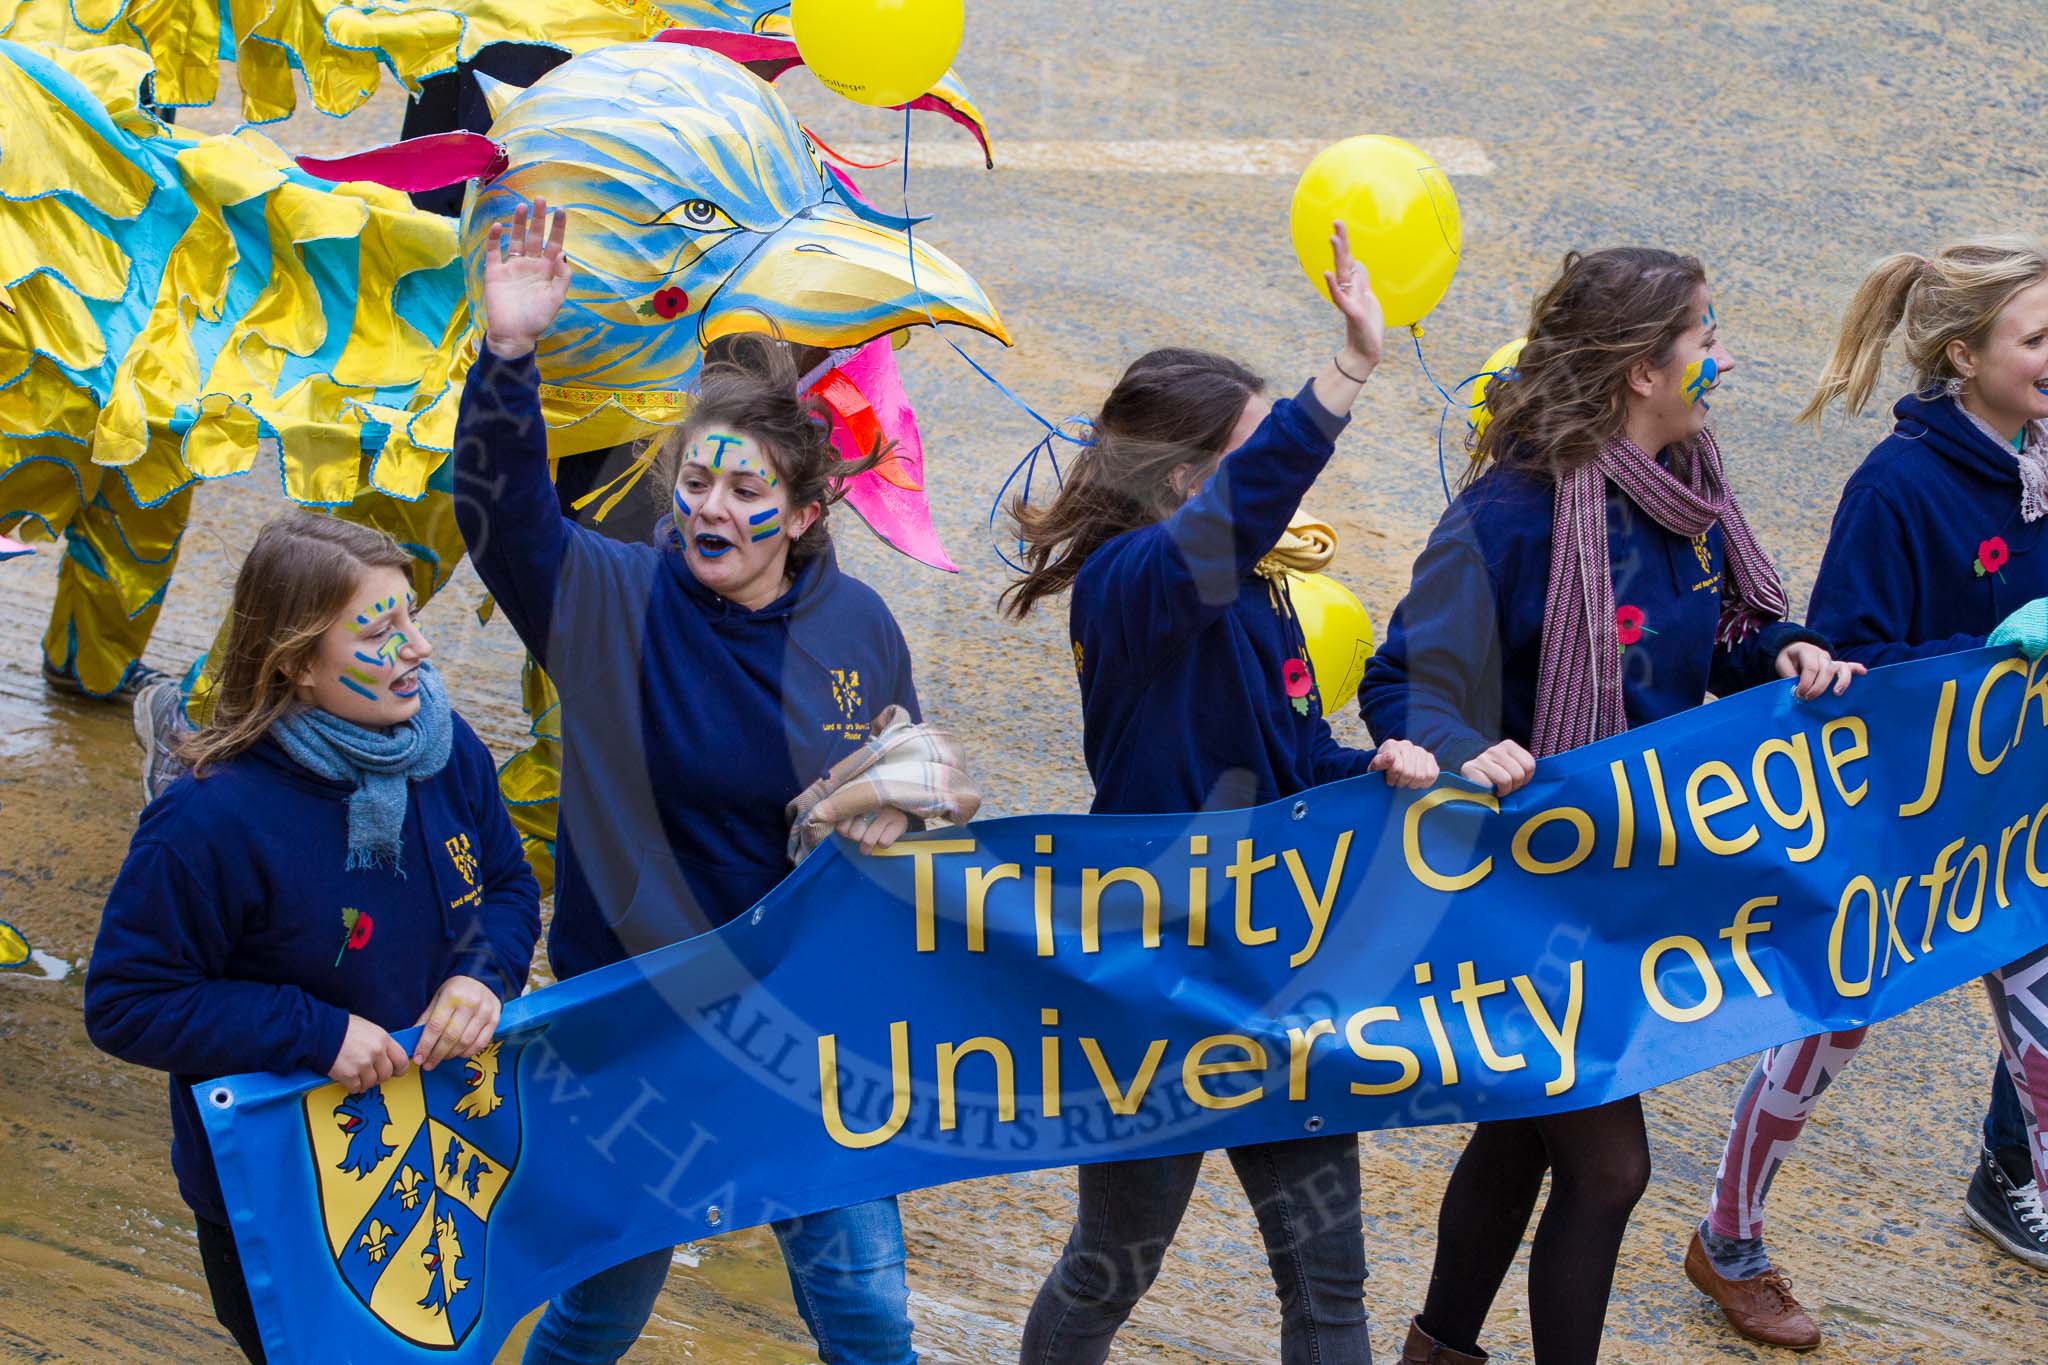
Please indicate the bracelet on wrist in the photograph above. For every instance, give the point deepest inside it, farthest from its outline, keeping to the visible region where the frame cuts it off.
(1357, 379)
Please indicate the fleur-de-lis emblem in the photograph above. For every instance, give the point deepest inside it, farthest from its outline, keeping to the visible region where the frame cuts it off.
(407, 1187)
(374, 1238)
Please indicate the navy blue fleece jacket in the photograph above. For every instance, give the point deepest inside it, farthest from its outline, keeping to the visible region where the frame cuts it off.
(688, 722)
(1457, 670)
(1935, 498)
(1181, 654)
(234, 940)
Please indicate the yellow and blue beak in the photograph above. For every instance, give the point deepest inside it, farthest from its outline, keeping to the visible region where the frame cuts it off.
(832, 278)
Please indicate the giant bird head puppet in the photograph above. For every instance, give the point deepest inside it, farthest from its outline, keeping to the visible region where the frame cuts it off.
(699, 208)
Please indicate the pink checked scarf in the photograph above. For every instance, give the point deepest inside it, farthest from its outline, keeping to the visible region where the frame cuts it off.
(1578, 685)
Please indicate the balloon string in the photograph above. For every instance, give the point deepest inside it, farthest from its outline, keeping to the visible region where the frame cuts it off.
(1052, 430)
(1442, 471)
(1028, 466)
(1415, 335)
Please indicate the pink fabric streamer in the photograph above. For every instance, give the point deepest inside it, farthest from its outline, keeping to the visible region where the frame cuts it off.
(768, 57)
(420, 163)
(866, 398)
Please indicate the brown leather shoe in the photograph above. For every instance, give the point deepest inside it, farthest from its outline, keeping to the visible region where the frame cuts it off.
(1424, 1349)
(1761, 1307)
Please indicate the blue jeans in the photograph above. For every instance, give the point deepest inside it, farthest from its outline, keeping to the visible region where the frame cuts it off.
(845, 1269)
(2004, 1125)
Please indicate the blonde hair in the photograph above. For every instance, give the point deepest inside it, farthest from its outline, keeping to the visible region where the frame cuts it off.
(301, 574)
(1955, 295)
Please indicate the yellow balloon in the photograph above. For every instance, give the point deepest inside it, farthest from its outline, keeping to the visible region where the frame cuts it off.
(1338, 631)
(880, 52)
(14, 948)
(1401, 213)
(1478, 416)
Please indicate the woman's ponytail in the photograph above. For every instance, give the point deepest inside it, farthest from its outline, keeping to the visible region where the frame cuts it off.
(1874, 314)
(1933, 302)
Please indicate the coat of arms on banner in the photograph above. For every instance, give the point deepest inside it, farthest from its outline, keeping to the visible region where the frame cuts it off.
(408, 1175)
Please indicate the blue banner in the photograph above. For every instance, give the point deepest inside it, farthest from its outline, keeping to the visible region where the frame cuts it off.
(1048, 990)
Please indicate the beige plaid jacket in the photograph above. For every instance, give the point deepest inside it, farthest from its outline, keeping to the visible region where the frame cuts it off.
(915, 768)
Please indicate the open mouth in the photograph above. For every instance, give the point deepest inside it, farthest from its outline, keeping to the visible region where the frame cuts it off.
(406, 684)
(710, 546)
(350, 1124)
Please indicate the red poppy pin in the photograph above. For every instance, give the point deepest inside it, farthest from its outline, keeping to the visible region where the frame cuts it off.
(1628, 624)
(1991, 557)
(1295, 677)
(668, 302)
(357, 925)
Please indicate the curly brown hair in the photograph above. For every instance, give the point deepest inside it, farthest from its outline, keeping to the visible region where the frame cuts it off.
(748, 384)
(1606, 312)
(1173, 407)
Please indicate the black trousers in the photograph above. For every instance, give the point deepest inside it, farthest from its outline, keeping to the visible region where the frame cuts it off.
(1306, 1196)
(230, 1290)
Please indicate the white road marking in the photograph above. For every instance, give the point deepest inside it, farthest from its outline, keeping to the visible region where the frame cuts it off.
(1249, 156)
(54, 968)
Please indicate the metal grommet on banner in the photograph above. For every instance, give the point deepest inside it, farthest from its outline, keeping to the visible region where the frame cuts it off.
(713, 1216)
(1300, 809)
(1314, 1124)
(220, 1097)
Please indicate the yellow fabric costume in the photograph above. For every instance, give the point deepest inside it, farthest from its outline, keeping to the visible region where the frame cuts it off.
(343, 46)
(169, 301)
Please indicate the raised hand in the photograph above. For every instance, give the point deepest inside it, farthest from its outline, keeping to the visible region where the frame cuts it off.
(1365, 324)
(525, 279)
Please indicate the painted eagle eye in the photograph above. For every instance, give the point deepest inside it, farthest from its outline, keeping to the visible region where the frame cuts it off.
(696, 215)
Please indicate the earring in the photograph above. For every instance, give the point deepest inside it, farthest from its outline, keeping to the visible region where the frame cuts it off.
(1952, 387)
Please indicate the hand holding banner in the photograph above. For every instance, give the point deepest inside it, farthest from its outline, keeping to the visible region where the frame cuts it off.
(1048, 990)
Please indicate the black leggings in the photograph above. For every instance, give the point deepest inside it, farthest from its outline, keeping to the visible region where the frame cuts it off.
(1599, 1164)
(230, 1290)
